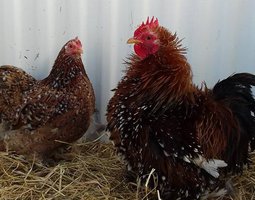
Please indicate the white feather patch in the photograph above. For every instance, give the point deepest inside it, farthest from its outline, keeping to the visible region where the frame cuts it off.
(211, 165)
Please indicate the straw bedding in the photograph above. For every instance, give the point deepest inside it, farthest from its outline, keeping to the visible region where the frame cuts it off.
(89, 170)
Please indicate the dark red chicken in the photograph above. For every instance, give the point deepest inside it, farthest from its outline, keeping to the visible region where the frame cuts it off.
(36, 115)
(160, 120)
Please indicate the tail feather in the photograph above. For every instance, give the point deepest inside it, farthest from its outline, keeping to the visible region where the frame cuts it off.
(237, 85)
(235, 92)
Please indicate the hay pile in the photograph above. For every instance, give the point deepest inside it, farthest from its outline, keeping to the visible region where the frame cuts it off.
(88, 171)
(244, 185)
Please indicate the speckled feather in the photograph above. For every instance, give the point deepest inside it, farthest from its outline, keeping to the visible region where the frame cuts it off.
(14, 84)
(159, 119)
(58, 107)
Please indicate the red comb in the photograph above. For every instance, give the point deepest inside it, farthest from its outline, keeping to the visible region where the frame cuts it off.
(151, 24)
(76, 39)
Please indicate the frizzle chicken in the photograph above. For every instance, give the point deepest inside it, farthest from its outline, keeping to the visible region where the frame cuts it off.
(57, 108)
(160, 120)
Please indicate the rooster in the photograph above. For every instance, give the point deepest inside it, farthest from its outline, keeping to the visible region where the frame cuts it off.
(188, 135)
(37, 115)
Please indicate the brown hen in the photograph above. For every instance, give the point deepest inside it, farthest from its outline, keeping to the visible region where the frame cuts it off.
(43, 113)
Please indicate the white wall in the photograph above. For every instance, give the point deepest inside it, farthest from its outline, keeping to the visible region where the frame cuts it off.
(220, 35)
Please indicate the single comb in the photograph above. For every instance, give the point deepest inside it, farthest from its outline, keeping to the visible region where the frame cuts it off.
(151, 24)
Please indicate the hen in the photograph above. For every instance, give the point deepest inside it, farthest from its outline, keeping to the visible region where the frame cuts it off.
(57, 108)
(159, 120)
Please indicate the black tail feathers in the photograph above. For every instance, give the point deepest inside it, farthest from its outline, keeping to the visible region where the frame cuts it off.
(236, 92)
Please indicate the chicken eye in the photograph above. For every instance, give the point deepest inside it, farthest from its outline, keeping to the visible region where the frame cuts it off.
(148, 37)
(70, 46)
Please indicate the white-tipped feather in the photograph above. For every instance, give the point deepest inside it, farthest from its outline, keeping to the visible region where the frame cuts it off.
(211, 165)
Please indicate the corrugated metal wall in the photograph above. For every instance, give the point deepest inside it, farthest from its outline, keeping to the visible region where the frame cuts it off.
(220, 35)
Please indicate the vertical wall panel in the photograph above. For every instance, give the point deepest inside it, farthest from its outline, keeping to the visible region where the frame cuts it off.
(220, 35)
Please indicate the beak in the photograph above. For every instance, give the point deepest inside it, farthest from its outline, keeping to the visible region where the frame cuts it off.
(133, 41)
(80, 51)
